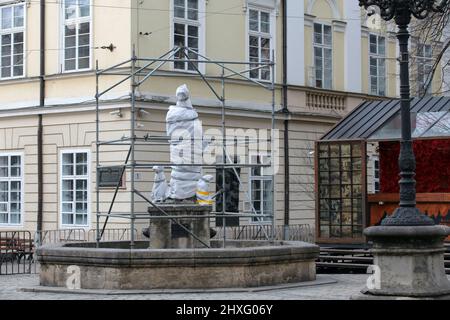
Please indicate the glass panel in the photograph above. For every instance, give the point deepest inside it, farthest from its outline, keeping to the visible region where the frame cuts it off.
(67, 219)
(324, 192)
(440, 128)
(335, 232)
(67, 207)
(193, 9)
(345, 150)
(15, 218)
(179, 8)
(346, 164)
(357, 178)
(346, 191)
(373, 44)
(254, 20)
(6, 18)
(84, 8)
(346, 177)
(335, 205)
(67, 158)
(317, 33)
(323, 165)
(334, 150)
(324, 217)
(323, 150)
(265, 22)
(70, 9)
(334, 164)
(335, 191)
(18, 16)
(4, 195)
(357, 164)
(357, 191)
(3, 166)
(346, 205)
(3, 218)
(381, 46)
(335, 178)
(347, 232)
(325, 231)
(324, 177)
(327, 35)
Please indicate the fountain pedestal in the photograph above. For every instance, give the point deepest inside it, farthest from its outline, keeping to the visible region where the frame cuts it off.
(166, 234)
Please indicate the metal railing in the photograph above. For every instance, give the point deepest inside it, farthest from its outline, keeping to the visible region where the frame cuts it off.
(114, 235)
(300, 232)
(16, 253)
(59, 236)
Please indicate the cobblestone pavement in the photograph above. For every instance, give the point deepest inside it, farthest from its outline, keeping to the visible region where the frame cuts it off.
(346, 285)
(343, 289)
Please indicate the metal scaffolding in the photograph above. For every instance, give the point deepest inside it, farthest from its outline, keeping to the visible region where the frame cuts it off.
(138, 74)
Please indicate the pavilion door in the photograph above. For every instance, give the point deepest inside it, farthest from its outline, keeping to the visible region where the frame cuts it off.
(341, 191)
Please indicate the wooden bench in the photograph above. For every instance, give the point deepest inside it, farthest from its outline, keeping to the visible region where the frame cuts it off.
(16, 248)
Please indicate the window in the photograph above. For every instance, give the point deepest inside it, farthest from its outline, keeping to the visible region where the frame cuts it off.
(376, 174)
(260, 43)
(77, 35)
(323, 56)
(186, 29)
(10, 189)
(75, 188)
(424, 68)
(12, 41)
(261, 189)
(377, 61)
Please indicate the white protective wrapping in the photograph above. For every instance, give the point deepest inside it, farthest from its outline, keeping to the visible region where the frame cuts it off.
(204, 197)
(182, 122)
(160, 190)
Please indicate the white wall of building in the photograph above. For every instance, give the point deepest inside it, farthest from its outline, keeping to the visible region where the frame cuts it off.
(295, 42)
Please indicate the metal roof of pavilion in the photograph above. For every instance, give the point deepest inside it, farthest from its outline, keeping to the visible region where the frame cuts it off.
(369, 117)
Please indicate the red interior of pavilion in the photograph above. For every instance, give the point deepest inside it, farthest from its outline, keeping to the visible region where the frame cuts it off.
(432, 176)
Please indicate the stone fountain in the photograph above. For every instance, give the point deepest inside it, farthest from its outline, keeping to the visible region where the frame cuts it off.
(180, 253)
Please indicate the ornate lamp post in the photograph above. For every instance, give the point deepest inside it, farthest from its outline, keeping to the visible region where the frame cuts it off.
(402, 11)
(408, 246)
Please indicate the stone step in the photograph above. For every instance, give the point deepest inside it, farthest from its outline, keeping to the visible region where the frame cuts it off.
(324, 258)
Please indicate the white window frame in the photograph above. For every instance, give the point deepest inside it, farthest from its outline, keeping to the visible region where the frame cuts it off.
(12, 31)
(322, 46)
(379, 57)
(200, 23)
(77, 21)
(74, 177)
(265, 176)
(425, 62)
(22, 189)
(271, 34)
(374, 178)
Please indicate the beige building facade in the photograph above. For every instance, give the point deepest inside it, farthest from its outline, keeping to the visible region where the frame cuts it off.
(326, 63)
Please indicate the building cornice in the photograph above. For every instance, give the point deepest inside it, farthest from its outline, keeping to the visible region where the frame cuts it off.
(339, 26)
(309, 20)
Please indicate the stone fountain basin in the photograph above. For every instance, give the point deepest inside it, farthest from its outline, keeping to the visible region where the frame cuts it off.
(242, 264)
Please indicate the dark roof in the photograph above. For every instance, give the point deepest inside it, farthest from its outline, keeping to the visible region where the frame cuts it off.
(368, 117)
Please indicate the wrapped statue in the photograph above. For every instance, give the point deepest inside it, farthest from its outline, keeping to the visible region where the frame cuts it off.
(186, 146)
(160, 190)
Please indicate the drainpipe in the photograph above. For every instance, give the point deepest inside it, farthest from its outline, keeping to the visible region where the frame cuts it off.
(286, 127)
(40, 128)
